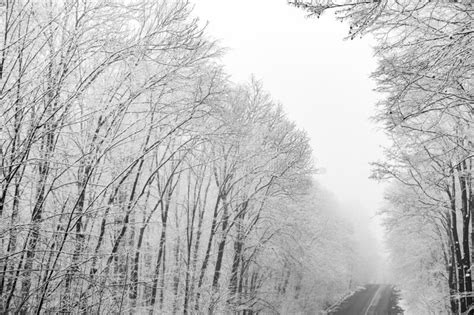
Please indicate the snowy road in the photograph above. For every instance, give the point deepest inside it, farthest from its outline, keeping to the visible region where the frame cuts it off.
(373, 300)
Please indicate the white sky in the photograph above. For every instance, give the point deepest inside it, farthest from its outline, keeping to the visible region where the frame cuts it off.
(321, 80)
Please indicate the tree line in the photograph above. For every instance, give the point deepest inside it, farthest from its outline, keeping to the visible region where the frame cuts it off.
(136, 177)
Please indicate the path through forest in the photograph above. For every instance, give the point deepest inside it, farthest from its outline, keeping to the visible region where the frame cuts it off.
(374, 299)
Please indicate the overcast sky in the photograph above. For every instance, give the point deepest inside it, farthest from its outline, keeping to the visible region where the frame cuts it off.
(321, 80)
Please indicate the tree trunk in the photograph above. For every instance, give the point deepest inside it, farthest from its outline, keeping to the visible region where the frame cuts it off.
(221, 247)
(160, 258)
(466, 235)
(208, 250)
(457, 249)
(238, 244)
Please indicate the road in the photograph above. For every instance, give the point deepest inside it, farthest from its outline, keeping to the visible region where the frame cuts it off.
(375, 299)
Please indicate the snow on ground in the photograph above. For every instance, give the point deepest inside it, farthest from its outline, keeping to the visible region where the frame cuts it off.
(336, 305)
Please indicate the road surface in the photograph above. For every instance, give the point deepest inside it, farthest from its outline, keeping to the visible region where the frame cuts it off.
(374, 299)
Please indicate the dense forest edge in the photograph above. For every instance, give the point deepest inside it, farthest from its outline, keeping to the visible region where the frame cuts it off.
(136, 177)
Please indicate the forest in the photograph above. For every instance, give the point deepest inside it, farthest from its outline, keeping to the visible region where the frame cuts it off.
(137, 177)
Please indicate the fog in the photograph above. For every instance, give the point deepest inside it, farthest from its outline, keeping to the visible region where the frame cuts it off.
(323, 82)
